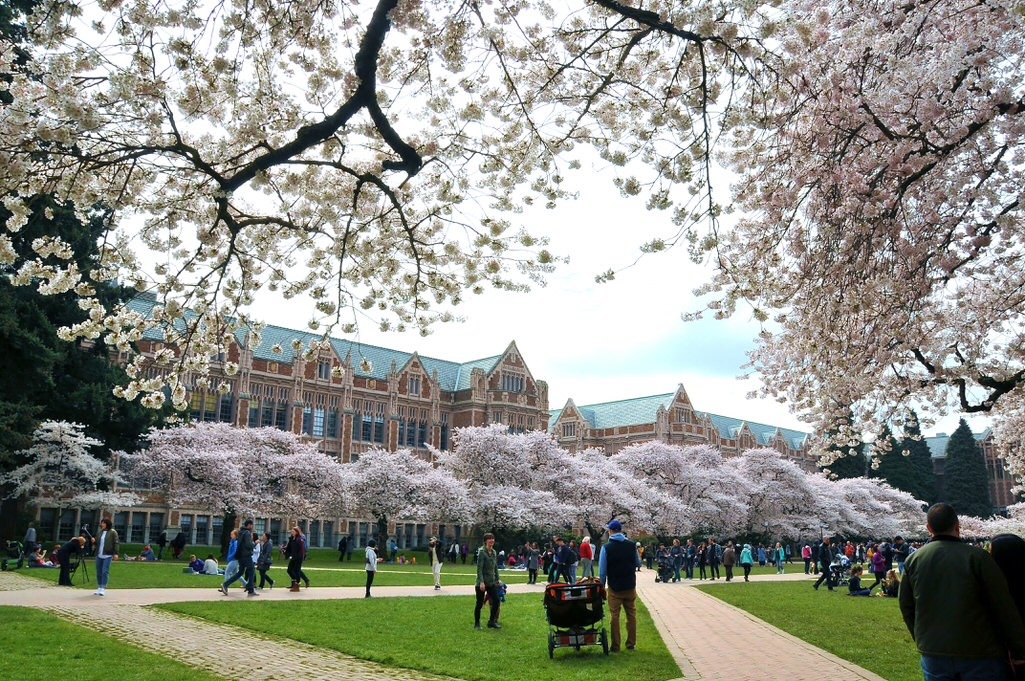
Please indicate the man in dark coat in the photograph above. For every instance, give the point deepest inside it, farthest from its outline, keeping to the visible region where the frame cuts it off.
(955, 602)
(825, 558)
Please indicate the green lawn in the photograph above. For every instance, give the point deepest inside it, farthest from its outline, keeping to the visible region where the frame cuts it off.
(437, 635)
(866, 631)
(40, 642)
(169, 574)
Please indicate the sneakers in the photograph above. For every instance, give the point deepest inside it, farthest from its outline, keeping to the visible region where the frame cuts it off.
(476, 625)
(437, 587)
(100, 591)
(494, 625)
(252, 593)
(223, 589)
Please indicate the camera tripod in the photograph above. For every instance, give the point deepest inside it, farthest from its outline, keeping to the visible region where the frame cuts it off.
(80, 569)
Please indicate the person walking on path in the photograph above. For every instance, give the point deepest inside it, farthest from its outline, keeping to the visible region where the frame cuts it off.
(747, 561)
(231, 569)
(714, 557)
(295, 551)
(676, 552)
(617, 569)
(107, 546)
(488, 583)
(825, 558)
(781, 558)
(806, 557)
(244, 556)
(729, 559)
(434, 554)
(702, 559)
(343, 545)
(265, 559)
(586, 558)
(956, 603)
(371, 565)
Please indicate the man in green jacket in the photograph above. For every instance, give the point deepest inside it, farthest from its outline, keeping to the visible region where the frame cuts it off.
(487, 582)
(957, 606)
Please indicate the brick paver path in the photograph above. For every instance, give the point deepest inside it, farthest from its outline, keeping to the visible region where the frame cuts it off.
(708, 638)
(713, 640)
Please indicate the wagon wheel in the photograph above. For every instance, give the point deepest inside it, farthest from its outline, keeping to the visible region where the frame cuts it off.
(605, 641)
(551, 646)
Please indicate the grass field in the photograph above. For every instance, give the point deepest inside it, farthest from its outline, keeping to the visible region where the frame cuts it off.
(866, 631)
(36, 644)
(437, 635)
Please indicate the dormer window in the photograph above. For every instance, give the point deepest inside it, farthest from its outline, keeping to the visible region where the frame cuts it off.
(414, 385)
(324, 370)
(569, 430)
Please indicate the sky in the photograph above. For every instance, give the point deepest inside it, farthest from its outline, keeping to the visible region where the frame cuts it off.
(601, 342)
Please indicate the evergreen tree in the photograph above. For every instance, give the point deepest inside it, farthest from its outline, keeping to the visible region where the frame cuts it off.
(901, 470)
(965, 484)
(923, 484)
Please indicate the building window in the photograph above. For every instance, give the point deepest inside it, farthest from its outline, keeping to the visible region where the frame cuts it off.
(269, 407)
(569, 430)
(324, 371)
(414, 385)
(496, 417)
(512, 383)
(444, 433)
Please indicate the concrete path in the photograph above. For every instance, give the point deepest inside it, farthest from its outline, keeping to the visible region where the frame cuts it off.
(708, 639)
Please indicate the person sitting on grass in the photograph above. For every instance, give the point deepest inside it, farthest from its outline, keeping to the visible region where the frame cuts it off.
(210, 566)
(147, 554)
(39, 560)
(890, 584)
(196, 564)
(854, 588)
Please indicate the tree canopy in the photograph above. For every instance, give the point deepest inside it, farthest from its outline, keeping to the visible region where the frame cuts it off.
(965, 484)
(374, 158)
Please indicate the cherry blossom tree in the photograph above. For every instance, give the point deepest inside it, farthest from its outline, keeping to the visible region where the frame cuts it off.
(881, 221)
(400, 485)
(242, 471)
(61, 472)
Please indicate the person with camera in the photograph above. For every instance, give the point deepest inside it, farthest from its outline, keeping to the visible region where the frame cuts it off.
(107, 546)
(434, 554)
(72, 550)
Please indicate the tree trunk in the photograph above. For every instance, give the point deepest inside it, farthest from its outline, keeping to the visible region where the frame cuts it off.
(229, 524)
(382, 534)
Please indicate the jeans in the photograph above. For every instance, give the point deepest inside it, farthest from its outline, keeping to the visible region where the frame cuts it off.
(103, 571)
(573, 573)
(689, 566)
(959, 669)
(676, 570)
(243, 572)
(586, 567)
(491, 591)
(626, 600)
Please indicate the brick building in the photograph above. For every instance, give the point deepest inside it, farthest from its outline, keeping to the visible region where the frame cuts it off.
(669, 418)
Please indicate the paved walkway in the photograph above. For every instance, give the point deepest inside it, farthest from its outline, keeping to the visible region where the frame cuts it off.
(708, 638)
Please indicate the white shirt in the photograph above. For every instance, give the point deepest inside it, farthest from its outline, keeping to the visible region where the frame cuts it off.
(210, 566)
(371, 560)
(256, 552)
(101, 550)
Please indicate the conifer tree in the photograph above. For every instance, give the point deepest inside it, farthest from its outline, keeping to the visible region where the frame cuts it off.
(846, 460)
(924, 479)
(964, 480)
(885, 449)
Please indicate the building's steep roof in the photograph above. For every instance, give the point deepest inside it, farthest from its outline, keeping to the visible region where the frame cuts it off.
(452, 376)
(938, 443)
(640, 410)
(629, 412)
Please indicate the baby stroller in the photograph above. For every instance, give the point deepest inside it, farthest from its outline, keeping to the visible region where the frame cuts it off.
(664, 569)
(575, 615)
(14, 556)
(840, 571)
